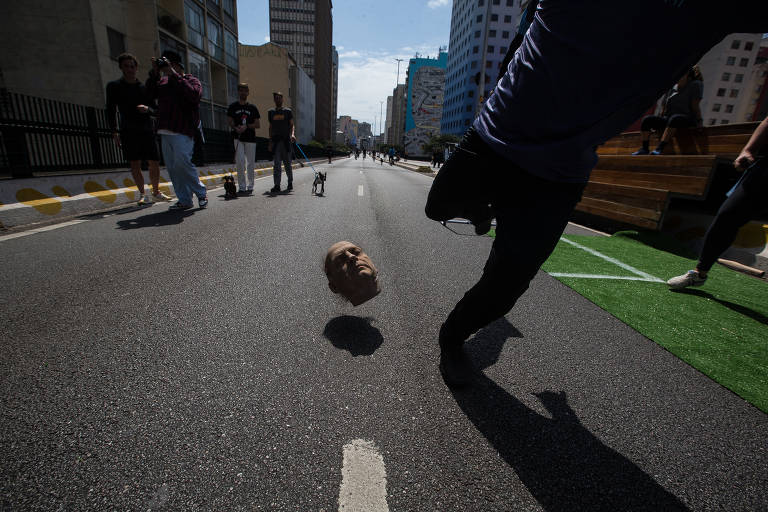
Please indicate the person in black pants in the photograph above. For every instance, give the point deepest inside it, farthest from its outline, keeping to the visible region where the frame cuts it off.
(747, 201)
(681, 110)
(529, 153)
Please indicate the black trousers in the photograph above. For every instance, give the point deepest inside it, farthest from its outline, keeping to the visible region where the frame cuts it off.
(747, 202)
(531, 214)
(659, 123)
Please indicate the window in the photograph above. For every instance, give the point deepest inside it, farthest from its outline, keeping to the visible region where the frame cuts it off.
(759, 88)
(229, 7)
(726, 77)
(480, 3)
(505, 34)
(721, 92)
(198, 66)
(507, 19)
(716, 107)
(477, 34)
(496, 2)
(479, 18)
(734, 93)
(502, 50)
(712, 121)
(491, 33)
(729, 109)
(215, 46)
(748, 46)
(475, 49)
(738, 78)
(167, 43)
(743, 62)
(510, 3)
(474, 64)
(194, 16)
(471, 94)
(488, 64)
(116, 42)
(730, 61)
(494, 17)
(231, 87)
(724, 121)
(491, 49)
(230, 47)
(735, 44)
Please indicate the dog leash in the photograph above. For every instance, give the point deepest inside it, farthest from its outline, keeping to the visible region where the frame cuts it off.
(305, 157)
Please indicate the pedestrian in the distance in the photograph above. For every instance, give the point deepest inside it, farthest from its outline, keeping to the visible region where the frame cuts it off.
(243, 119)
(136, 134)
(281, 137)
(178, 97)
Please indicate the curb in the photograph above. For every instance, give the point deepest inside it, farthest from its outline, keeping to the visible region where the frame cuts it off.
(41, 200)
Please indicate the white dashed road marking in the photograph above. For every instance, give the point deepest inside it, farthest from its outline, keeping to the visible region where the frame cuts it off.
(360, 190)
(40, 230)
(363, 479)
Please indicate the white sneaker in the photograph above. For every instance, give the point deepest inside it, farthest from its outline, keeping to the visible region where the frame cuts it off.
(147, 199)
(161, 197)
(690, 278)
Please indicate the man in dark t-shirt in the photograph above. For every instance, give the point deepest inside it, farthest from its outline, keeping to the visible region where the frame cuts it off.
(243, 118)
(281, 136)
(135, 135)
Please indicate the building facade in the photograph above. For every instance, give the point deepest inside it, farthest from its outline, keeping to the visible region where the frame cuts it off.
(335, 90)
(399, 104)
(271, 68)
(481, 31)
(424, 103)
(305, 28)
(203, 33)
(732, 81)
(388, 122)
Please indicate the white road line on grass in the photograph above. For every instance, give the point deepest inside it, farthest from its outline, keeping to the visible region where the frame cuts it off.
(360, 190)
(599, 276)
(363, 479)
(646, 277)
(40, 230)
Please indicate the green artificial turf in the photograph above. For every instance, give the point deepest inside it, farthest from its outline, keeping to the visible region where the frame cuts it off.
(721, 328)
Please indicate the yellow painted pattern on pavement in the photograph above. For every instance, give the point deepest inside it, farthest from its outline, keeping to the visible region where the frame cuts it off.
(39, 201)
(99, 192)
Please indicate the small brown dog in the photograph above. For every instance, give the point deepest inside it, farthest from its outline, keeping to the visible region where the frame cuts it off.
(230, 190)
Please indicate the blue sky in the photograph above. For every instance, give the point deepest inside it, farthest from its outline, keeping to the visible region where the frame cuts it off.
(369, 35)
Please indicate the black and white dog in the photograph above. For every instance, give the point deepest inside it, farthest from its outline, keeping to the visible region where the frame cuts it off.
(230, 190)
(319, 180)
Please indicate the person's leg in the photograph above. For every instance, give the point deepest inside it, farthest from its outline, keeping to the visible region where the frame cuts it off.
(170, 156)
(240, 164)
(278, 159)
(188, 169)
(530, 216)
(250, 163)
(154, 176)
(288, 169)
(649, 123)
(138, 177)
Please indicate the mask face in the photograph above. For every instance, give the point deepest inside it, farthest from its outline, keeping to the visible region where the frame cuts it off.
(351, 273)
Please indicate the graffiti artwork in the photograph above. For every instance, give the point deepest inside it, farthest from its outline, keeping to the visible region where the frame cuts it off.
(426, 108)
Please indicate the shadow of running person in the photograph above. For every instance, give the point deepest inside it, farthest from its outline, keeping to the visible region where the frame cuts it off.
(354, 334)
(562, 464)
(738, 308)
(163, 218)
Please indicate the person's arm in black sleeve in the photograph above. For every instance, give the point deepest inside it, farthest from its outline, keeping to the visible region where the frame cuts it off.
(111, 112)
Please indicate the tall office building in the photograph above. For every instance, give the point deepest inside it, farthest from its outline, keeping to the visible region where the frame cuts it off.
(399, 105)
(388, 122)
(424, 105)
(78, 45)
(335, 90)
(305, 28)
(481, 31)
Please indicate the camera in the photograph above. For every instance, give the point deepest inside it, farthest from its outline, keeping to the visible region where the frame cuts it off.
(162, 62)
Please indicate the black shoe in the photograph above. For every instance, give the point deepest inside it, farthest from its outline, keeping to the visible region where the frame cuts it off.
(289, 187)
(275, 190)
(455, 366)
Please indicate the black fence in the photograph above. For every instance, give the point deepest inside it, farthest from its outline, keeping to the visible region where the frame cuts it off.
(42, 135)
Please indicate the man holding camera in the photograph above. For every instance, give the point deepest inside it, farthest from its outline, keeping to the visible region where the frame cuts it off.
(178, 98)
(243, 118)
(136, 136)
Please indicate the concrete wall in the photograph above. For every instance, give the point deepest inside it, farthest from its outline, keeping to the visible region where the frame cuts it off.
(304, 98)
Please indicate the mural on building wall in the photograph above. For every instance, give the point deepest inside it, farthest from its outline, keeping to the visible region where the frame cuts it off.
(426, 110)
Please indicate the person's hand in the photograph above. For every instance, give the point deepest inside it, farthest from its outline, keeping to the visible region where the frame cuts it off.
(116, 138)
(744, 160)
(240, 128)
(142, 108)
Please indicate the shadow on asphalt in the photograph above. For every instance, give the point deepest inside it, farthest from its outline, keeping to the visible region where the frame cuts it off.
(163, 218)
(563, 465)
(738, 308)
(354, 334)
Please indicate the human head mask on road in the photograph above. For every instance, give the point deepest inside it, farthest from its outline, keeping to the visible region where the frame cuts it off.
(351, 273)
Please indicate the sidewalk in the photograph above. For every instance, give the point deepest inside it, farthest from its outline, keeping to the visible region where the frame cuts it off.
(56, 197)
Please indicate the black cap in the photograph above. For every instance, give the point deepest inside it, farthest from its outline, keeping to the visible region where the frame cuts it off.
(173, 57)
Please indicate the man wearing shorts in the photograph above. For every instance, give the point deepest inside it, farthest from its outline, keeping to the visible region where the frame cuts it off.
(135, 136)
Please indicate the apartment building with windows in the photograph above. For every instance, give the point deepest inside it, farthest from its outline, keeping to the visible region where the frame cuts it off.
(733, 80)
(481, 31)
(424, 103)
(305, 28)
(39, 56)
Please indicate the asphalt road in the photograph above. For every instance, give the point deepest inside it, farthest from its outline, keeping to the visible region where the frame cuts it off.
(198, 361)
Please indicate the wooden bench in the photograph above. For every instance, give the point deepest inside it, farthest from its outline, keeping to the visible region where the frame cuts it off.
(636, 190)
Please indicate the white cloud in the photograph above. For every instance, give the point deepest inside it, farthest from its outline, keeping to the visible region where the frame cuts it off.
(434, 4)
(366, 78)
(266, 39)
